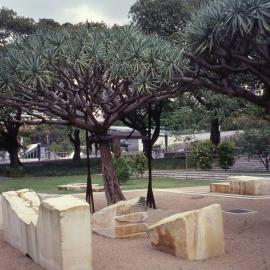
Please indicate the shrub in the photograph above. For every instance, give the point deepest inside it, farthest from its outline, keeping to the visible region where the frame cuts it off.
(201, 153)
(256, 142)
(138, 164)
(122, 169)
(226, 152)
(13, 172)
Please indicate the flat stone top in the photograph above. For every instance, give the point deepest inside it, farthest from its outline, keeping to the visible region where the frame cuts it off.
(246, 178)
(127, 203)
(221, 184)
(64, 203)
(21, 202)
(175, 217)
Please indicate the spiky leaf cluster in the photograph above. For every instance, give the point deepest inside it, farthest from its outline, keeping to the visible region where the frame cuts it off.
(226, 22)
(94, 70)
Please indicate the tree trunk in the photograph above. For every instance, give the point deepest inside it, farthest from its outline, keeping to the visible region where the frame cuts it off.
(112, 188)
(75, 140)
(13, 152)
(267, 164)
(9, 139)
(215, 132)
(145, 148)
(77, 146)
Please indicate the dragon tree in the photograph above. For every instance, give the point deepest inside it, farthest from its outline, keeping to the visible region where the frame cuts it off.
(228, 45)
(89, 78)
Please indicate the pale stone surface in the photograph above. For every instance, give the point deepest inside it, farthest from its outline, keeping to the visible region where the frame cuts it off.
(125, 219)
(1, 216)
(80, 187)
(64, 234)
(243, 185)
(192, 235)
(18, 219)
(56, 235)
(223, 187)
(249, 185)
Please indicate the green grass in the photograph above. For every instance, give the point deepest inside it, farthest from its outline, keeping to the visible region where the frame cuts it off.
(69, 168)
(49, 184)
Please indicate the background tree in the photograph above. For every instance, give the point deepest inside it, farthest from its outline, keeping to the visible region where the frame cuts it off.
(161, 17)
(137, 120)
(89, 79)
(12, 25)
(256, 142)
(202, 110)
(216, 108)
(9, 134)
(166, 18)
(228, 46)
(74, 137)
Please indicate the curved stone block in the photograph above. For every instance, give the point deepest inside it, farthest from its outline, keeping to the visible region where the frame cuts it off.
(55, 233)
(192, 235)
(125, 219)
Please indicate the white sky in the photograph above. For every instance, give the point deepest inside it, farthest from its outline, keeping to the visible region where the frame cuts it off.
(74, 11)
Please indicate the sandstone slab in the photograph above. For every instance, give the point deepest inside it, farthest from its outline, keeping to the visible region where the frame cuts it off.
(80, 187)
(125, 219)
(223, 187)
(192, 235)
(249, 185)
(1, 216)
(55, 233)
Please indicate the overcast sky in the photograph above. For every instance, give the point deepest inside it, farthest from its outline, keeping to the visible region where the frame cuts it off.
(74, 11)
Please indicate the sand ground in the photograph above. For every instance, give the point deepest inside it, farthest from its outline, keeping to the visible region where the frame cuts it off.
(247, 237)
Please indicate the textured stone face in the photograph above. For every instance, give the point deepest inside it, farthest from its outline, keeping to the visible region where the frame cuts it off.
(56, 235)
(193, 235)
(125, 219)
(80, 187)
(243, 185)
(249, 185)
(223, 187)
(1, 216)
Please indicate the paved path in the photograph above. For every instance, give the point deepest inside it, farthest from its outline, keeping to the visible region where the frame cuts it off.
(203, 175)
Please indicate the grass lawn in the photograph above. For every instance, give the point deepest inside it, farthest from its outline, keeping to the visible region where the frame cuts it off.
(49, 184)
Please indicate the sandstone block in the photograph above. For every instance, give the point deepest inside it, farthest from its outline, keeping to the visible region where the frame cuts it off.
(55, 233)
(249, 185)
(80, 187)
(18, 220)
(192, 235)
(125, 219)
(64, 234)
(223, 187)
(1, 215)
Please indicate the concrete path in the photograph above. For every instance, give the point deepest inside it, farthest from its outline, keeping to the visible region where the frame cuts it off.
(203, 175)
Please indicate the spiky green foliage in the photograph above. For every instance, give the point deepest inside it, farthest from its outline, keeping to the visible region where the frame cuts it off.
(227, 21)
(228, 44)
(103, 73)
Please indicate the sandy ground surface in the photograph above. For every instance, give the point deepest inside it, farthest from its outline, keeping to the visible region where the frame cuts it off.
(247, 237)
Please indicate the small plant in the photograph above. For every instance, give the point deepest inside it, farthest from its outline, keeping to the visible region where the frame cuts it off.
(201, 154)
(226, 153)
(122, 169)
(14, 172)
(138, 164)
